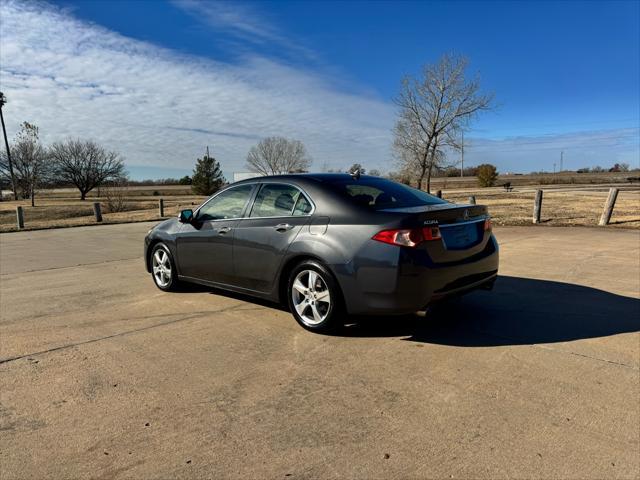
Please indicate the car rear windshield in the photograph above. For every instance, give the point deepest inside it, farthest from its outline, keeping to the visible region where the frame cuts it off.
(381, 194)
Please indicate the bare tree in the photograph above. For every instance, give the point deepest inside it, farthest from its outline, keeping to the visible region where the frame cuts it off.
(278, 155)
(434, 108)
(401, 176)
(30, 166)
(85, 164)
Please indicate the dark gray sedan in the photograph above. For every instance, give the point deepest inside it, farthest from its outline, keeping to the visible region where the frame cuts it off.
(328, 244)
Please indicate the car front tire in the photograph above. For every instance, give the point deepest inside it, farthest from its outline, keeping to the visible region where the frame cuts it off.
(163, 268)
(314, 297)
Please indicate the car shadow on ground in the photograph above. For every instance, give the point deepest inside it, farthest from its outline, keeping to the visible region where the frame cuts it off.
(519, 311)
(197, 288)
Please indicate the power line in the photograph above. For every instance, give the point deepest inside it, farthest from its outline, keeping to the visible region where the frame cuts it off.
(515, 148)
(577, 147)
(560, 140)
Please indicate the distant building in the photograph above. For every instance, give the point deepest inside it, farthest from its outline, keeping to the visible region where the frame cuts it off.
(237, 176)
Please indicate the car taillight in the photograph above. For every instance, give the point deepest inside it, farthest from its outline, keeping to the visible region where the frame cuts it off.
(488, 225)
(408, 237)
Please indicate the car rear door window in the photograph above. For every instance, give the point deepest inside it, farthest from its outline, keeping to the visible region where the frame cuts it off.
(303, 206)
(227, 204)
(279, 200)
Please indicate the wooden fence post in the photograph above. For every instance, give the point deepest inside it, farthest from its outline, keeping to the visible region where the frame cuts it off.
(608, 207)
(537, 207)
(161, 207)
(20, 218)
(439, 194)
(97, 212)
(472, 200)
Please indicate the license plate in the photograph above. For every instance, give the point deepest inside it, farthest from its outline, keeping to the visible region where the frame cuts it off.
(460, 237)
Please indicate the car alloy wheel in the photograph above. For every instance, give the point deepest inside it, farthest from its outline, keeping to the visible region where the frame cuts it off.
(162, 268)
(311, 298)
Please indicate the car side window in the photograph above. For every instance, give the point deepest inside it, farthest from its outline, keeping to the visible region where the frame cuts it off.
(228, 204)
(278, 200)
(303, 206)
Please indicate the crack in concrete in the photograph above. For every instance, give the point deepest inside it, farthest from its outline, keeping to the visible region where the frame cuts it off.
(121, 334)
(545, 347)
(557, 350)
(71, 266)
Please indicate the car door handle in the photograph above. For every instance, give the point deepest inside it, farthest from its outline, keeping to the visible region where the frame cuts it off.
(223, 230)
(283, 227)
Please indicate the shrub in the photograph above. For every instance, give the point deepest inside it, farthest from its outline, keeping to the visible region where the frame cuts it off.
(487, 175)
(116, 195)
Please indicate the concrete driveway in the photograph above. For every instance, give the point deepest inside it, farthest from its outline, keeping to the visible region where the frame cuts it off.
(104, 376)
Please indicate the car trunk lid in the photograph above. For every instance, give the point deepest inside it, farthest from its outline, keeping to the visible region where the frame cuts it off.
(461, 229)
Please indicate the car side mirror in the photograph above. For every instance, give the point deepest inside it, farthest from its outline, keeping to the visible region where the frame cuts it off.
(186, 216)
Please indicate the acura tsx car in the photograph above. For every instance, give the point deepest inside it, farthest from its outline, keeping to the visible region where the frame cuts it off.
(327, 245)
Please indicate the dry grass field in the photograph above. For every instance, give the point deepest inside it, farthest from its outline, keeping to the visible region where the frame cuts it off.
(63, 208)
(561, 206)
(543, 179)
(568, 204)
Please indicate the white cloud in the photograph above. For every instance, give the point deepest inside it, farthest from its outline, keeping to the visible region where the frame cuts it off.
(160, 108)
(243, 22)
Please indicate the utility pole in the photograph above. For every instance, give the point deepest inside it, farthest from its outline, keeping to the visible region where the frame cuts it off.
(561, 159)
(3, 100)
(462, 152)
(554, 168)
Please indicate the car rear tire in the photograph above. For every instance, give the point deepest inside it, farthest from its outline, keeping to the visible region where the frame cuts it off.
(314, 297)
(163, 268)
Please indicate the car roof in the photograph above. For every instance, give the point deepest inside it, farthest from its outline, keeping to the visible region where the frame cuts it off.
(318, 177)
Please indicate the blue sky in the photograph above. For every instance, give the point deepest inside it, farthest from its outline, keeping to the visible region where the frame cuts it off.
(161, 80)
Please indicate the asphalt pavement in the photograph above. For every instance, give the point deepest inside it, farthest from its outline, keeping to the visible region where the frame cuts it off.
(102, 375)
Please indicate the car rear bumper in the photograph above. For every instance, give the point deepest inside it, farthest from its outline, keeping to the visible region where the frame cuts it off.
(413, 281)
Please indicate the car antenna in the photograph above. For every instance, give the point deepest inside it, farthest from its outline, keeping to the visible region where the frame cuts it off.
(356, 174)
